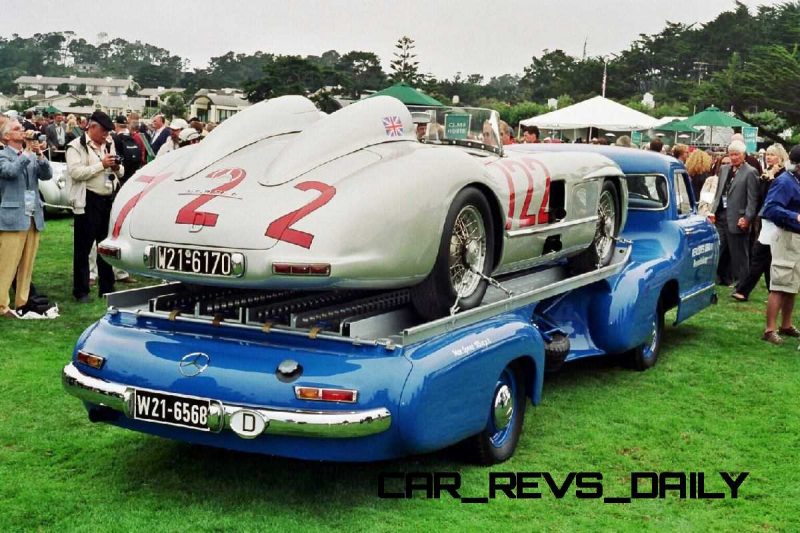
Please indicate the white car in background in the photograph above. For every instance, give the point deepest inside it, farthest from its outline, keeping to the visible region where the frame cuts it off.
(54, 192)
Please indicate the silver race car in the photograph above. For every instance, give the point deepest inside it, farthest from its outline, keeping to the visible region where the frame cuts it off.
(283, 196)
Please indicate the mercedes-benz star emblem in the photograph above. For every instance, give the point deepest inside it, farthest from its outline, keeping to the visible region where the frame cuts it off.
(193, 364)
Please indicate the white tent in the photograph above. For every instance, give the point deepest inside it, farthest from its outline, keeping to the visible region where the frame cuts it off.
(597, 112)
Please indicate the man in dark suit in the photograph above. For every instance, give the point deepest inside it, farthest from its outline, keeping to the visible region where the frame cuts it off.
(56, 137)
(161, 133)
(734, 207)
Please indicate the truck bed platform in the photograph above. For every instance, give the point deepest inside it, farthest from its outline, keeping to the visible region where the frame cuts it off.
(360, 317)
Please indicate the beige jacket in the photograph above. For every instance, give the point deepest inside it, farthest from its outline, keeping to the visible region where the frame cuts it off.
(707, 194)
(85, 171)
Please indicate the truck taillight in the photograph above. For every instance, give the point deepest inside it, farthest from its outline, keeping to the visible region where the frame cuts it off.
(301, 269)
(89, 359)
(326, 395)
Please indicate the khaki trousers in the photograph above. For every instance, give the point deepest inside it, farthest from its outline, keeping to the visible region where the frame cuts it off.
(17, 253)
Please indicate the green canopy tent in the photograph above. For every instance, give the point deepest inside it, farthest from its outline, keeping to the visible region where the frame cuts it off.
(51, 109)
(676, 126)
(712, 116)
(409, 95)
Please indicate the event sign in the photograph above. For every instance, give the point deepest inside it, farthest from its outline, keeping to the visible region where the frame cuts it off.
(750, 133)
(456, 125)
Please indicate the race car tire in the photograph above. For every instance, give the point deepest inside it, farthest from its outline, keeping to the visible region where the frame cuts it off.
(498, 441)
(601, 251)
(467, 244)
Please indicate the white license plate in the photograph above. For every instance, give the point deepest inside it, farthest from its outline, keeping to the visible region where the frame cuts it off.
(194, 261)
(170, 409)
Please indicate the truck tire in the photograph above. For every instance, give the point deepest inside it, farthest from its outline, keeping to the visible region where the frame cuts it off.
(555, 352)
(601, 251)
(498, 441)
(467, 242)
(646, 355)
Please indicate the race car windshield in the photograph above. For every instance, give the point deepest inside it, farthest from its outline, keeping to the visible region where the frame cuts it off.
(465, 126)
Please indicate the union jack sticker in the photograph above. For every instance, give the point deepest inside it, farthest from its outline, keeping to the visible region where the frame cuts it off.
(393, 126)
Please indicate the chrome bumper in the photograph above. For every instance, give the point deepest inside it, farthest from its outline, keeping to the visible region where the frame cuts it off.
(300, 423)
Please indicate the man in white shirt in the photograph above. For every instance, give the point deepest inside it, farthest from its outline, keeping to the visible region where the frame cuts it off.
(93, 173)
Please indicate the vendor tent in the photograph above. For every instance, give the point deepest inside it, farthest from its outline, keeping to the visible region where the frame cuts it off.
(597, 112)
(712, 117)
(409, 95)
(676, 126)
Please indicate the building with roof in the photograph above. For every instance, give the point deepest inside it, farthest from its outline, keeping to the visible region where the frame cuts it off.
(39, 84)
(216, 106)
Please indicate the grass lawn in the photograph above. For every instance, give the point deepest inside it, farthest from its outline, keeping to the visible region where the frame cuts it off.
(719, 399)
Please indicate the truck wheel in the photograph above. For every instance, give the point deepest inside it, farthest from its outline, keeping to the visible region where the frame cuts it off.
(645, 356)
(467, 246)
(498, 441)
(600, 252)
(555, 352)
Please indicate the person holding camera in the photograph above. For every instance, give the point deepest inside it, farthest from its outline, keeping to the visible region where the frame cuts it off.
(93, 173)
(22, 217)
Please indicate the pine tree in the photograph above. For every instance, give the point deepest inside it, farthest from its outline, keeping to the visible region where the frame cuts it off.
(405, 68)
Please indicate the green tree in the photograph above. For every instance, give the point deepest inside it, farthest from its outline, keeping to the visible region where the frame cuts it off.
(285, 75)
(63, 88)
(360, 71)
(175, 106)
(405, 67)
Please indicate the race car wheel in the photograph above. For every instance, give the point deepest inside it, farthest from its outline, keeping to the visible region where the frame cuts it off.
(600, 252)
(465, 257)
(646, 355)
(497, 442)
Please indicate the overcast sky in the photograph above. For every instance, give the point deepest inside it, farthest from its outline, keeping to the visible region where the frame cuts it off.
(489, 37)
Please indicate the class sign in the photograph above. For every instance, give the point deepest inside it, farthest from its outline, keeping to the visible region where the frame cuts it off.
(750, 134)
(456, 125)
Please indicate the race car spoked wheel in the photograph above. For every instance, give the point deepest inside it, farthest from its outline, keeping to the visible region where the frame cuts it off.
(467, 251)
(498, 440)
(646, 355)
(601, 251)
(464, 260)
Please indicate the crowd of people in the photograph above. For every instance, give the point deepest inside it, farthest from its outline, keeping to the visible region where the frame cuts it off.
(101, 154)
(755, 207)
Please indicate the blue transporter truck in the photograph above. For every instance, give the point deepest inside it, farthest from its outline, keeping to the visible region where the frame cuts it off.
(344, 376)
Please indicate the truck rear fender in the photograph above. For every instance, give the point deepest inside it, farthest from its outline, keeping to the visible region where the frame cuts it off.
(449, 390)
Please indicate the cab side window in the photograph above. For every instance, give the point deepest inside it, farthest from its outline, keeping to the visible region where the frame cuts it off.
(647, 191)
(682, 197)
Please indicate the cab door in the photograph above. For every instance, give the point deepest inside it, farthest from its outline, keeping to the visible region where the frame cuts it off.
(699, 248)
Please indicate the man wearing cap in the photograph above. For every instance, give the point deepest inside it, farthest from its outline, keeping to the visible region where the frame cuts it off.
(173, 143)
(734, 208)
(782, 208)
(93, 173)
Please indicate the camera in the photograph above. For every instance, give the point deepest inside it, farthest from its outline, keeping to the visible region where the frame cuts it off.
(117, 159)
